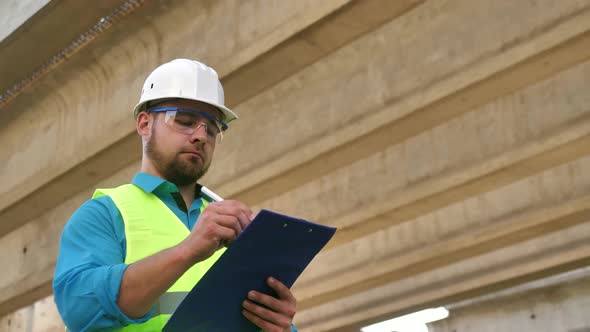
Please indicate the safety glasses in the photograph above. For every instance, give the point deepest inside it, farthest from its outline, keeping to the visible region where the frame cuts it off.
(188, 121)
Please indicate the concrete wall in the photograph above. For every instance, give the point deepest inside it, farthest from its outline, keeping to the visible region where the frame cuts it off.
(448, 140)
(42, 316)
(557, 308)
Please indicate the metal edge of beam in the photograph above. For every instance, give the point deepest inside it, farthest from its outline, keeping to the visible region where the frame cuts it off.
(46, 63)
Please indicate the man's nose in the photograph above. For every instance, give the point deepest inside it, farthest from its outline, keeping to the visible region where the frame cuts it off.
(200, 134)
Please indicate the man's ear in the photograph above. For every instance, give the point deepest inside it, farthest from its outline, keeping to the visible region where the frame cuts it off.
(144, 124)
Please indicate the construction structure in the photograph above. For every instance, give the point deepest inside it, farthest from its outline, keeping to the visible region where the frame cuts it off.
(448, 140)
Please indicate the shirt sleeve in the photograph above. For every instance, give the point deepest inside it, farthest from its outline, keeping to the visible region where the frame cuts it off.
(90, 268)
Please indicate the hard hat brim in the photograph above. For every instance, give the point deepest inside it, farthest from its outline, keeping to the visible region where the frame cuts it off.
(228, 115)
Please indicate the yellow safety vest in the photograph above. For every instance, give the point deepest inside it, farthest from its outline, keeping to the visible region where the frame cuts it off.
(151, 227)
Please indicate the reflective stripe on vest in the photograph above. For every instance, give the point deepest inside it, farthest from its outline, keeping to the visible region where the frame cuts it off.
(168, 302)
(150, 227)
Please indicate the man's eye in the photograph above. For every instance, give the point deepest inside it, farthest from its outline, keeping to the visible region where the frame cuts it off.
(186, 123)
(212, 129)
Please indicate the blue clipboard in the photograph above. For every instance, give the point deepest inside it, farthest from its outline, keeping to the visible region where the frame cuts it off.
(273, 245)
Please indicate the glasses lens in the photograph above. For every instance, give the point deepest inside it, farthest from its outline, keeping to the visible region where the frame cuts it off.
(189, 122)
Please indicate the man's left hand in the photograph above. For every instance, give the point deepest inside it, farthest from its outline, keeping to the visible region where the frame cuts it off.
(269, 313)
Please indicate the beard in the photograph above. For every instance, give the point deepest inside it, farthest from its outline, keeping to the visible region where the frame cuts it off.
(177, 170)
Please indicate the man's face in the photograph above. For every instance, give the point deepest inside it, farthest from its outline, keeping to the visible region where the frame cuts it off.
(179, 157)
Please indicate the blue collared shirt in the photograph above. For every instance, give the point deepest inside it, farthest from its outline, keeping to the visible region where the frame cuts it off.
(91, 258)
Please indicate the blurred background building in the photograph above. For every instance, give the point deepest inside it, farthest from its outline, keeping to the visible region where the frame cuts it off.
(448, 140)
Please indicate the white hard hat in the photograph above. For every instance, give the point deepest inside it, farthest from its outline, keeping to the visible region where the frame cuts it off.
(186, 79)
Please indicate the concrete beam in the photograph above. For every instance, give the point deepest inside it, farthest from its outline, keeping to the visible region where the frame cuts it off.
(538, 258)
(556, 307)
(79, 170)
(337, 29)
(40, 237)
(240, 168)
(554, 188)
(570, 143)
(370, 117)
(471, 243)
(504, 141)
(42, 316)
(334, 274)
(330, 267)
(569, 277)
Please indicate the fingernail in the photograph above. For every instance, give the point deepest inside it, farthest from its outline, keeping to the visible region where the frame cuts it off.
(252, 215)
(251, 295)
(271, 279)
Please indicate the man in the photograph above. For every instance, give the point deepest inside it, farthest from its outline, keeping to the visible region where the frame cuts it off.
(129, 255)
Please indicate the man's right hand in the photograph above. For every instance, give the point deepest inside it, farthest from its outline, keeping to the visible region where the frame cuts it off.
(218, 225)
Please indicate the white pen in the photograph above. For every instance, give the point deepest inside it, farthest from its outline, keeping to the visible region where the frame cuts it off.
(211, 194)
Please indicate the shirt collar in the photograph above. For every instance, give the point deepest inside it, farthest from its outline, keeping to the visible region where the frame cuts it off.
(150, 183)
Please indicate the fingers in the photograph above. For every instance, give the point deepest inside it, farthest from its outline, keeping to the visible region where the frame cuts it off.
(264, 318)
(280, 305)
(229, 214)
(282, 291)
(270, 313)
(233, 208)
(242, 211)
(218, 225)
(223, 227)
